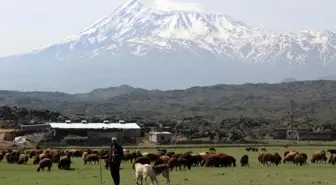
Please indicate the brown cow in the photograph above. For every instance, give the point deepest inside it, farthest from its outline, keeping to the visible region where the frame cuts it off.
(244, 161)
(260, 157)
(23, 159)
(46, 162)
(290, 157)
(165, 158)
(269, 159)
(227, 161)
(211, 160)
(318, 157)
(299, 159)
(64, 162)
(92, 157)
(129, 156)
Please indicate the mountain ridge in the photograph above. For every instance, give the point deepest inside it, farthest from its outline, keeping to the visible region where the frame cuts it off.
(250, 100)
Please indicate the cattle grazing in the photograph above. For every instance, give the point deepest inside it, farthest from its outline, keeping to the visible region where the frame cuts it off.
(36, 160)
(173, 162)
(23, 159)
(269, 159)
(305, 156)
(244, 161)
(64, 163)
(165, 158)
(331, 151)
(196, 159)
(299, 159)
(253, 149)
(260, 157)
(46, 162)
(91, 157)
(211, 160)
(11, 157)
(263, 149)
(319, 156)
(290, 157)
(332, 159)
(227, 161)
(129, 156)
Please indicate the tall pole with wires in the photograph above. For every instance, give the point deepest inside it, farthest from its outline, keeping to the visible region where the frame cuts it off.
(291, 117)
(175, 130)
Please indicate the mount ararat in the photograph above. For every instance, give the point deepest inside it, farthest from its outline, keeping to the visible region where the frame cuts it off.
(146, 46)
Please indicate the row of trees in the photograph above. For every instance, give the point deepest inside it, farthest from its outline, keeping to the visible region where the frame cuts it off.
(219, 128)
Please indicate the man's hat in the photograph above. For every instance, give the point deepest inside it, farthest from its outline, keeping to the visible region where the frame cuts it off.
(114, 139)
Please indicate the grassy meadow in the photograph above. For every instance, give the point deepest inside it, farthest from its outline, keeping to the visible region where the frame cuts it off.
(256, 174)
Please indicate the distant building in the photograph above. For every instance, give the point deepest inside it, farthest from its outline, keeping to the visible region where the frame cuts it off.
(303, 134)
(99, 133)
(290, 134)
(315, 136)
(160, 137)
(293, 134)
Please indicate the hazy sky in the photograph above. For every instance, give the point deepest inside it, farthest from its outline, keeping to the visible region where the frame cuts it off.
(31, 24)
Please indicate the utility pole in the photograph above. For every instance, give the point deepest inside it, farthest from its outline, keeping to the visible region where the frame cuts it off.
(175, 130)
(291, 116)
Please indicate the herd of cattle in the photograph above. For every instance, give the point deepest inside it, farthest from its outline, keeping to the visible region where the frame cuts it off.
(47, 157)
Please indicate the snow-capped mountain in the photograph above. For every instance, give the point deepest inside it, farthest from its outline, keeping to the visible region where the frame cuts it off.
(143, 29)
(147, 38)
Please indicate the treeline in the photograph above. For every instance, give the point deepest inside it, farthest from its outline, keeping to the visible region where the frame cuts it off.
(217, 129)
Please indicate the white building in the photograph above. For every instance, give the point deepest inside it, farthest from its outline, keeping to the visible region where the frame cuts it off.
(160, 137)
(98, 131)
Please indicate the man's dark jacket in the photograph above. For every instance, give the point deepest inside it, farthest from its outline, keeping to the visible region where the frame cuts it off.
(118, 153)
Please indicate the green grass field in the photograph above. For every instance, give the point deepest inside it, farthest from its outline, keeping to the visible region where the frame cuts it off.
(257, 174)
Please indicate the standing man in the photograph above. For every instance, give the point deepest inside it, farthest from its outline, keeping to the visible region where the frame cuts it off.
(115, 155)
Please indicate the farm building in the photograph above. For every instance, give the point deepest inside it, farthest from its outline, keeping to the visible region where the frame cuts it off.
(284, 133)
(303, 134)
(315, 136)
(98, 133)
(160, 137)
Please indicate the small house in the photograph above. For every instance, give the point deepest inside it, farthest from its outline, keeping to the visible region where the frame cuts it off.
(160, 137)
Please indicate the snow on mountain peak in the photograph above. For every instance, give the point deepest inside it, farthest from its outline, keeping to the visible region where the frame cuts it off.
(142, 26)
(171, 5)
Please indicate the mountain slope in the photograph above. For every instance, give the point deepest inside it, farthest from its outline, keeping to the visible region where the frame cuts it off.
(146, 46)
(313, 98)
